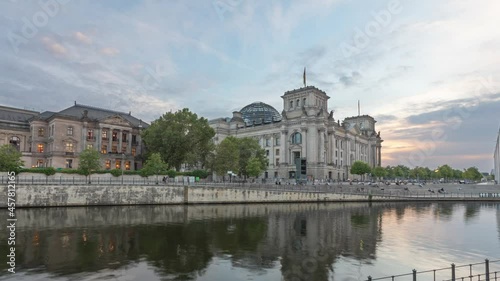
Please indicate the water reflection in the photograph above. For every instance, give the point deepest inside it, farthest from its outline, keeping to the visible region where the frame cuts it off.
(300, 241)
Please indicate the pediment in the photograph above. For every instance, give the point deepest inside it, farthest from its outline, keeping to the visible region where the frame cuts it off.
(116, 120)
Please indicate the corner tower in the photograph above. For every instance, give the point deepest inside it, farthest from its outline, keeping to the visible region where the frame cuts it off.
(303, 102)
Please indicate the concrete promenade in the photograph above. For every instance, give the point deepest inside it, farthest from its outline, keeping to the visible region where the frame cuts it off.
(31, 192)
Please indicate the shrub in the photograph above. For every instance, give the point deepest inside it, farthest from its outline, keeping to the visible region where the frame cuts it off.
(49, 171)
(199, 173)
(171, 173)
(116, 172)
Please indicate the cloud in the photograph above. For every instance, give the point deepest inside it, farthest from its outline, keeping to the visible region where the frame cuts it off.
(82, 38)
(54, 47)
(350, 80)
(109, 51)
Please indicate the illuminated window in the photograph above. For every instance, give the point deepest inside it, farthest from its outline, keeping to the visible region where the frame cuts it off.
(90, 146)
(69, 147)
(90, 134)
(41, 132)
(69, 131)
(115, 136)
(40, 148)
(107, 164)
(105, 135)
(104, 149)
(118, 164)
(133, 151)
(127, 165)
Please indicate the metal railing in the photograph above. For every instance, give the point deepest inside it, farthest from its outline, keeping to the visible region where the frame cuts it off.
(454, 273)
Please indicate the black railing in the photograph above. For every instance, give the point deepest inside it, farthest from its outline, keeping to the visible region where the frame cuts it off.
(454, 273)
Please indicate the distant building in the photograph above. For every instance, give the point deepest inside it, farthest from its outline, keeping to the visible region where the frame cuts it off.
(55, 139)
(305, 130)
(496, 158)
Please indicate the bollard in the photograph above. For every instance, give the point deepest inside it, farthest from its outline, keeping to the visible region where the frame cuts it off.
(369, 278)
(487, 266)
(452, 272)
(414, 275)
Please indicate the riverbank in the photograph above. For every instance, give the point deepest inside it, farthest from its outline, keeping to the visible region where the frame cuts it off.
(52, 195)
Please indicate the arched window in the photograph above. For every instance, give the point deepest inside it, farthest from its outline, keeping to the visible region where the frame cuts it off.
(296, 138)
(298, 103)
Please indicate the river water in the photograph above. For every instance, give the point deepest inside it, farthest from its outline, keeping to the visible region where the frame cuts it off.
(326, 241)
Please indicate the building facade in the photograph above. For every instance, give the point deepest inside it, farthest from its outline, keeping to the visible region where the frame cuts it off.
(305, 130)
(496, 159)
(56, 139)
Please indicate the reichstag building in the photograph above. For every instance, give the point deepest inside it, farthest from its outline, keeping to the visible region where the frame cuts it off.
(305, 130)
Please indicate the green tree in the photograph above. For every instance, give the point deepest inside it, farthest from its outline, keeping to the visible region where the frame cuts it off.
(360, 168)
(457, 174)
(154, 166)
(249, 148)
(10, 158)
(227, 156)
(445, 172)
(89, 162)
(379, 172)
(180, 137)
(255, 167)
(472, 173)
(389, 172)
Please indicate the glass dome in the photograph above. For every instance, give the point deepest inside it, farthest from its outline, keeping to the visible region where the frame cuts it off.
(258, 112)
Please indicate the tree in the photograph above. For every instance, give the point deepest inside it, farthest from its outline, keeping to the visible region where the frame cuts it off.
(445, 172)
(154, 166)
(379, 172)
(389, 172)
(180, 137)
(10, 158)
(89, 162)
(472, 173)
(360, 168)
(227, 156)
(255, 167)
(249, 148)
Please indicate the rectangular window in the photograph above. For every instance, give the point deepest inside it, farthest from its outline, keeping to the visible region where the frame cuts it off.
(69, 147)
(115, 136)
(41, 132)
(104, 135)
(336, 153)
(114, 149)
(268, 142)
(69, 131)
(90, 134)
(118, 164)
(107, 164)
(134, 139)
(124, 137)
(39, 163)
(69, 163)
(277, 161)
(277, 141)
(277, 152)
(40, 148)
(90, 146)
(133, 151)
(267, 152)
(127, 165)
(124, 149)
(104, 149)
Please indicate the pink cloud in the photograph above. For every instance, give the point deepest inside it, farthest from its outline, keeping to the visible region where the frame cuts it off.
(82, 38)
(54, 47)
(109, 51)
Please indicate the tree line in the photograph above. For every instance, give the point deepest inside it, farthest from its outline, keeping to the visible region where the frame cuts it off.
(402, 172)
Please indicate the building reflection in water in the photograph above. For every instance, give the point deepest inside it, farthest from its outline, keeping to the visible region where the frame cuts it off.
(303, 240)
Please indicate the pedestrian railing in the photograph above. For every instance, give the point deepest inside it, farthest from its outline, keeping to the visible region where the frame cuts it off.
(487, 270)
(343, 189)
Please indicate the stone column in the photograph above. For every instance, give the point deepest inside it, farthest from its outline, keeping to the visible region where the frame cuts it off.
(379, 160)
(305, 147)
(98, 137)
(110, 139)
(283, 148)
(129, 142)
(120, 135)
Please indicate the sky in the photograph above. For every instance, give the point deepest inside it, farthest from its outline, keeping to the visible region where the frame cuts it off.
(428, 71)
